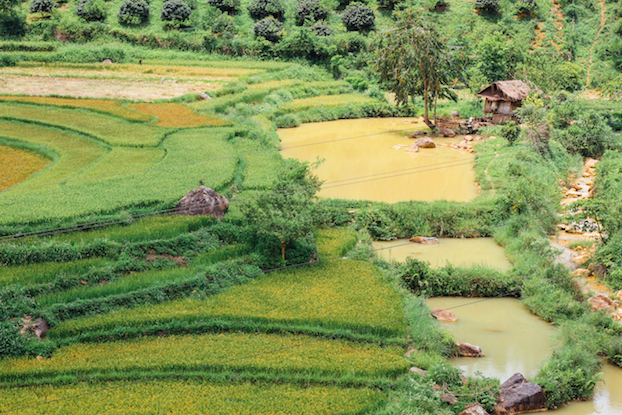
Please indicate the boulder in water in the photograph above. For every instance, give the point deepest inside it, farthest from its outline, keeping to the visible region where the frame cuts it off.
(469, 350)
(424, 240)
(519, 395)
(425, 142)
(444, 315)
(448, 132)
(203, 201)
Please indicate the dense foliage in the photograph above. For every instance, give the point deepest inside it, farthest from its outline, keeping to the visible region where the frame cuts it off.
(175, 10)
(91, 10)
(42, 6)
(260, 9)
(358, 17)
(133, 12)
(269, 28)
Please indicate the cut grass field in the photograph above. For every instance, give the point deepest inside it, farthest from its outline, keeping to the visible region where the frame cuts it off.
(16, 165)
(193, 397)
(339, 294)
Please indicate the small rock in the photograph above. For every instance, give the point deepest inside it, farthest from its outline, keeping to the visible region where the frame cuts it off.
(424, 240)
(204, 96)
(444, 315)
(581, 272)
(474, 409)
(449, 398)
(437, 387)
(418, 133)
(519, 395)
(448, 132)
(39, 358)
(39, 328)
(418, 371)
(601, 302)
(413, 148)
(455, 114)
(107, 61)
(619, 295)
(468, 137)
(469, 350)
(587, 174)
(492, 137)
(591, 163)
(477, 138)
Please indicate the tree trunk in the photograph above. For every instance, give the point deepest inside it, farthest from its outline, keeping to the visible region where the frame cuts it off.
(435, 100)
(283, 245)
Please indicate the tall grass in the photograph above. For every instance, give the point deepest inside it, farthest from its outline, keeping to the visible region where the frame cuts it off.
(214, 352)
(339, 294)
(29, 275)
(199, 397)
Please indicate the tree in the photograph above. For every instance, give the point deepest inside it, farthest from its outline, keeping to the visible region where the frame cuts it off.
(288, 213)
(413, 60)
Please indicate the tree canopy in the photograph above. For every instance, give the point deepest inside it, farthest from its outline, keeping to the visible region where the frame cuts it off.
(289, 212)
(412, 60)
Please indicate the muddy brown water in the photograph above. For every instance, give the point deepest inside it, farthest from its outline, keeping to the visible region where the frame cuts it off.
(458, 252)
(361, 163)
(515, 340)
(512, 339)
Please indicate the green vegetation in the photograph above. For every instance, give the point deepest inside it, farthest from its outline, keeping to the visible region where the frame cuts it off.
(221, 398)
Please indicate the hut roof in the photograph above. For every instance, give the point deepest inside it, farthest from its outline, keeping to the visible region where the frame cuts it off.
(506, 91)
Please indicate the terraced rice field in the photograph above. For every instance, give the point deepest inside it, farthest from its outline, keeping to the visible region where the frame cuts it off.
(17, 165)
(147, 312)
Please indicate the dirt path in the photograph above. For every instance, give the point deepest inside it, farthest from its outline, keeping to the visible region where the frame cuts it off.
(603, 9)
(577, 241)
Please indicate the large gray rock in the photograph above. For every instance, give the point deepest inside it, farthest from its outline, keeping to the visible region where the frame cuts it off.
(203, 201)
(518, 395)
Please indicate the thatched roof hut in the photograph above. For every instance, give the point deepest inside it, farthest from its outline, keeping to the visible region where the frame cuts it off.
(503, 97)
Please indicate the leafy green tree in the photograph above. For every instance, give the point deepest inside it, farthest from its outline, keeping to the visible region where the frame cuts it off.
(497, 57)
(6, 6)
(412, 60)
(289, 213)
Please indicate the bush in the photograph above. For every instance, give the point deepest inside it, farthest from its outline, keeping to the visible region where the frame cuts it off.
(269, 28)
(287, 121)
(175, 10)
(224, 26)
(91, 10)
(12, 25)
(322, 29)
(527, 7)
(133, 12)
(510, 132)
(227, 6)
(42, 6)
(260, 9)
(358, 17)
(489, 6)
(310, 9)
(569, 76)
(7, 60)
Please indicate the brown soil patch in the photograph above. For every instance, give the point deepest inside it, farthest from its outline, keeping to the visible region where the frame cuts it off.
(178, 260)
(17, 165)
(137, 89)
